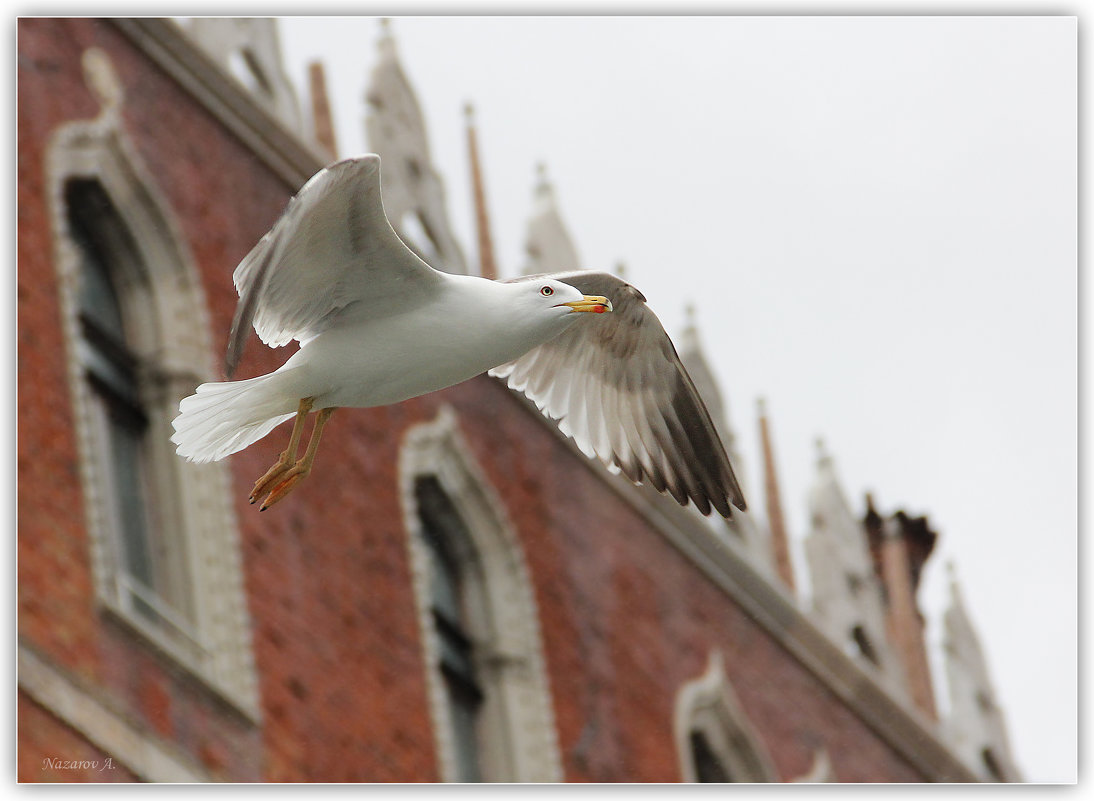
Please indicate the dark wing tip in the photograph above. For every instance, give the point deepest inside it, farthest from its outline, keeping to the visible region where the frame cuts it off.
(701, 448)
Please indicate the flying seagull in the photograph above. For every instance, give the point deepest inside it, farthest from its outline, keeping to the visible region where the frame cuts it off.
(377, 325)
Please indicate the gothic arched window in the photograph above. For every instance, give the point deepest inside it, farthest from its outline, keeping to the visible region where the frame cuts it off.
(714, 739)
(162, 537)
(153, 579)
(488, 694)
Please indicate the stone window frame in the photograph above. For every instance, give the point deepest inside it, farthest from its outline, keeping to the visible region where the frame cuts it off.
(518, 738)
(171, 337)
(707, 705)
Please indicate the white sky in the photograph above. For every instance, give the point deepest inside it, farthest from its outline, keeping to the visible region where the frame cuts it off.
(876, 221)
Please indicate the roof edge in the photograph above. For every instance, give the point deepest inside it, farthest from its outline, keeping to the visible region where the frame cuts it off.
(168, 45)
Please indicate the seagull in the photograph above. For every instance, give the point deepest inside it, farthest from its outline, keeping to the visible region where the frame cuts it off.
(377, 325)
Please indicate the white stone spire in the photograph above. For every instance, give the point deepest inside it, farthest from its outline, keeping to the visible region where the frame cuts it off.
(547, 243)
(249, 49)
(975, 724)
(413, 190)
(847, 596)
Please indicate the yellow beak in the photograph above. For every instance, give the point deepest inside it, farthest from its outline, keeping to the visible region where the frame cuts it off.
(598, 304)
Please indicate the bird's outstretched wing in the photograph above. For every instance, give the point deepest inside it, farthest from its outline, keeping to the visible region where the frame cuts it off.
(331, 250)
(614, 383)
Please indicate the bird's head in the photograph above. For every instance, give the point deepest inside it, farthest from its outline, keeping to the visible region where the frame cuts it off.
(540, 307)
(548, 296)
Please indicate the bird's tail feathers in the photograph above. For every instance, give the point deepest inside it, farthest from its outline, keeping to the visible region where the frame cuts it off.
(223, 417)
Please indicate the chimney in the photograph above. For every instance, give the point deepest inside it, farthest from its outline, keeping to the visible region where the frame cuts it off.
(779, 540)
(901, 546)
(322, 121)
(487, 266)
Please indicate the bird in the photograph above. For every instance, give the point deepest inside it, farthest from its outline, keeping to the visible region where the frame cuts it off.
(377, 325)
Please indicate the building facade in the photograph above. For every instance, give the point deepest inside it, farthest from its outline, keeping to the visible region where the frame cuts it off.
(457, 594)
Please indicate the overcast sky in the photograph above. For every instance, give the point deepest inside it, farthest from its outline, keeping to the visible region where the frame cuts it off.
(875, 219)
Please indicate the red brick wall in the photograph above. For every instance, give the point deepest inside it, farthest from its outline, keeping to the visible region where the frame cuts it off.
(49, 751)
(224, 201)
(625, 619)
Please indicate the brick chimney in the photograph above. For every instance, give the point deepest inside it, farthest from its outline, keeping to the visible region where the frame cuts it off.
(900, 546)
(322, 120)
(488, 268)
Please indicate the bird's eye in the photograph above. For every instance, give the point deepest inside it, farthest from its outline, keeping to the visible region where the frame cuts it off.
(547, 291)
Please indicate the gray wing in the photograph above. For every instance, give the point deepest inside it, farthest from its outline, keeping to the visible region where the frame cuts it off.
(614, 383)
(331, 250)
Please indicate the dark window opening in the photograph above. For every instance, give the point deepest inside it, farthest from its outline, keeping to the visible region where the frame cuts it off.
(862, 641)
(445, 534)
(248, 70)
(708, 768)
(111, 371)
(260, 78)
(992, 766)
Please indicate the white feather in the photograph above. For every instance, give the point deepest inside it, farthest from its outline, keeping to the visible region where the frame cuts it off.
(224, 417)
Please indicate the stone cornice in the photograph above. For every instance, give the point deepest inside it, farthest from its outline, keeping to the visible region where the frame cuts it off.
(169, 46)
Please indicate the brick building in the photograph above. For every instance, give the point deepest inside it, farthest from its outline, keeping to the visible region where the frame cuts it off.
(457, 593)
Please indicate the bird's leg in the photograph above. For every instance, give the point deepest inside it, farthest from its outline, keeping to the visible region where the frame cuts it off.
(284, 462)
(301, 469)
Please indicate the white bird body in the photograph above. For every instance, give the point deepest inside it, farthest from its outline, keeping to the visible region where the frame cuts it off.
(377, 326)
(390, 358)
(380, 359)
